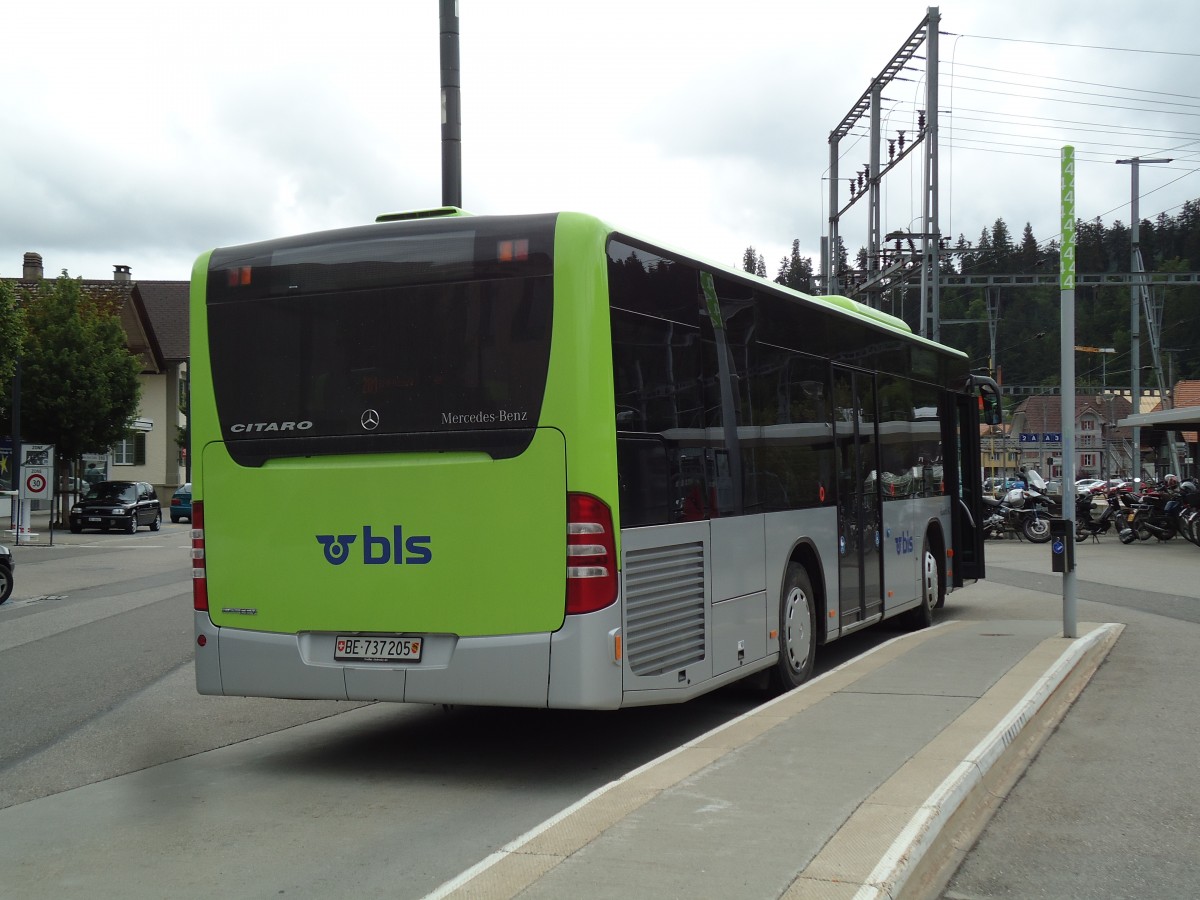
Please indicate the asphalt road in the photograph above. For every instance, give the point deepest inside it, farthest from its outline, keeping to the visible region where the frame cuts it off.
(104, 731)
(111, 764)
(96, 628)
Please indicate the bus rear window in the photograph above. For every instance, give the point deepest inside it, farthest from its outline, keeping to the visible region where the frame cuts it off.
(361, 361)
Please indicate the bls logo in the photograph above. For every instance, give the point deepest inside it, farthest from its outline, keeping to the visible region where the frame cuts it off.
(378, 549)
(904, 543)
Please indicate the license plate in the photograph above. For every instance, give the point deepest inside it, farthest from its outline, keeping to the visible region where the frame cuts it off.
(93, 518)
(387, 649)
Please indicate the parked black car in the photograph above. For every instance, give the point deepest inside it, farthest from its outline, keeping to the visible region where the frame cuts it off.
(6, 573)
(117, 504)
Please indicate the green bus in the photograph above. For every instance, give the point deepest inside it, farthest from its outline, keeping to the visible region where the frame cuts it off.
(537, 461)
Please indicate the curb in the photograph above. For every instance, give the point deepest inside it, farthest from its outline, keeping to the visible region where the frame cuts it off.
(929, 848)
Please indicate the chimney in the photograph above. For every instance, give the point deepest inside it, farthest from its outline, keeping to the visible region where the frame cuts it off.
(32, 268)
(120, 273)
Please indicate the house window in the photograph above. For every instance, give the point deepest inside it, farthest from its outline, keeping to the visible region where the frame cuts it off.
(1087, 424)
(1087, 460)
(131, 451)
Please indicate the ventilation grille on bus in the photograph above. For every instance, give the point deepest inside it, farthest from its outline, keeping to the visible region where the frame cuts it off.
(664, 608)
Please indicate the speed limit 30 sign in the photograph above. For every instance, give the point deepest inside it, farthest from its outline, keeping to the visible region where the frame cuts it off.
(36, 484)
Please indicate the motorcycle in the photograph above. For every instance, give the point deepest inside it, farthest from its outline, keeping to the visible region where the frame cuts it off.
(1087, 525)
(1037, 495)
(1155, 514)
(1189, 514)
(1011, 514)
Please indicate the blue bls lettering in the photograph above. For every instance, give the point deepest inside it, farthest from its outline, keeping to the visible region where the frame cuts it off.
(904, 544)
(378, 550)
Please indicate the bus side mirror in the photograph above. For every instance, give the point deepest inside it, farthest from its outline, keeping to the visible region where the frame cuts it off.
(990, 409)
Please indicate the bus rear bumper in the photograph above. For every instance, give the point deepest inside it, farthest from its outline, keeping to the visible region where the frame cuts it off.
(498, 670)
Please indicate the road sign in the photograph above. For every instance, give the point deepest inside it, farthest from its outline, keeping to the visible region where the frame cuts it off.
(35, 483)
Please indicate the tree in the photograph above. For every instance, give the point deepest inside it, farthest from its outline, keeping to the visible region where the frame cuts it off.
(12, 336)
(79, 383)
(1029, 254)
(1002, 246)
(753, 262)
(796, 271)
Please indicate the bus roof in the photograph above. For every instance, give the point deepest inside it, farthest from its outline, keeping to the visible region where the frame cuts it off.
(835, 303)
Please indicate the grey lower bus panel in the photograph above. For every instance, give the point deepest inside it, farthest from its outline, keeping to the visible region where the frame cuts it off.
(585, 671)
(507, 670)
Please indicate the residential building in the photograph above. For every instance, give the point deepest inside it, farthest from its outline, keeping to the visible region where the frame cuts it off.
(154, 317)
(1102, 450)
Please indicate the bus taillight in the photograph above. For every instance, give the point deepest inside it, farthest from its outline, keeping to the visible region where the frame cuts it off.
(199, 575)
(591, 555)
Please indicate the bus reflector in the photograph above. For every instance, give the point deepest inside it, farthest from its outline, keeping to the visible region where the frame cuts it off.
(199, 574)
(591, 555)
(512, 251)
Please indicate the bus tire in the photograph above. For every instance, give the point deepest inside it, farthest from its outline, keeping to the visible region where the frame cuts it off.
(797, 630)
(933, 589)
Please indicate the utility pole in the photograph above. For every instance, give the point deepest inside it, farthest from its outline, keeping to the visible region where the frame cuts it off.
(1104, 354)
(1136, 287)
(931, 299)
(451, 106)
(865, 185)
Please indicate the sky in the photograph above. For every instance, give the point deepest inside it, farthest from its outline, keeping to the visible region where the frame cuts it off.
(144, 133)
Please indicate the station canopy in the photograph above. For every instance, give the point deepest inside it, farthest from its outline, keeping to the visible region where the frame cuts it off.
(1187, 417)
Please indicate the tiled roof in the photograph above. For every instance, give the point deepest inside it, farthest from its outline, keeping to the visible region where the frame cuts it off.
(1043, 412)
(153, 314)
(120, 297)
(1187, 393)
(166, 304)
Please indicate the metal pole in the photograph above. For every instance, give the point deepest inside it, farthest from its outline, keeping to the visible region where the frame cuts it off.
(1067, 356)
(15, 460)
(451, 106)
(831, 249)
(874, 227)
(1135, 318)
(931, 143)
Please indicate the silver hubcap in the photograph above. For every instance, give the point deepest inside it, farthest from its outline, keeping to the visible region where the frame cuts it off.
(796, 636)
(931, 580)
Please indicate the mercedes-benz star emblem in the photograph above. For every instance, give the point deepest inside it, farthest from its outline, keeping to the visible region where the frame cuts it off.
(369, 420)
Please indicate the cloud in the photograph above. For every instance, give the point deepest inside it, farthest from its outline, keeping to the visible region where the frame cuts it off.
(144, 133)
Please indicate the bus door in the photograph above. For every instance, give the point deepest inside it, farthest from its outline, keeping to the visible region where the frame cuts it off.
(859, 514)
(966, 490)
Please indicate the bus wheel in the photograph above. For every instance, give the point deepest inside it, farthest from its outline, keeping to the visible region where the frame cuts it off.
(797, 630)
(933, 589)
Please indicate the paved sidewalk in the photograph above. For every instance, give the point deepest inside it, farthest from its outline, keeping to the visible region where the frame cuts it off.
(861, 783)
(38, 533)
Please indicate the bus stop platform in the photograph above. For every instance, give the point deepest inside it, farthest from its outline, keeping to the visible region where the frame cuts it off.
(870, 781)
